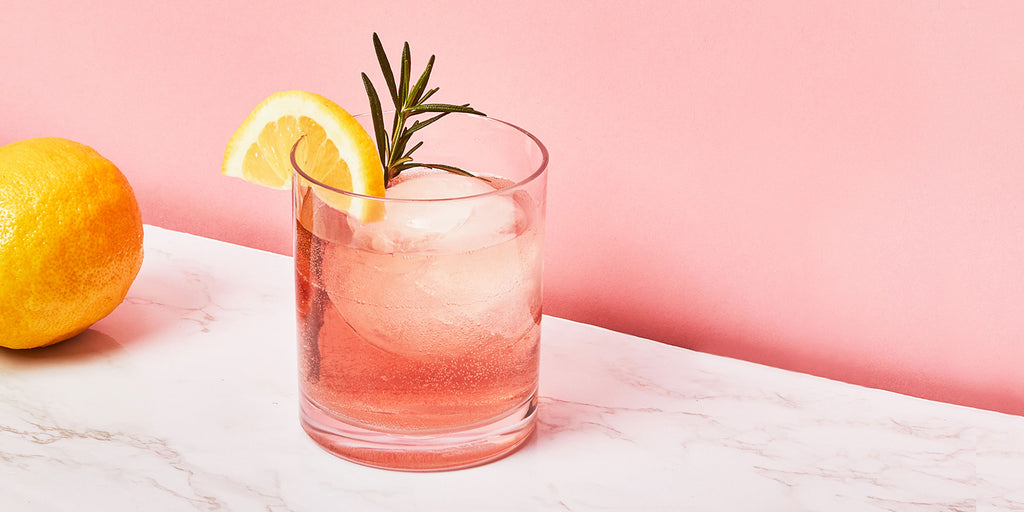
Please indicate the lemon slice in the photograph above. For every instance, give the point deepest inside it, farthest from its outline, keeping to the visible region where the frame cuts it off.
(336, 150)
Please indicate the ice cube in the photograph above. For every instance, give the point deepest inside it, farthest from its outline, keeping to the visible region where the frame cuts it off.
(439, 227)
(440, 278)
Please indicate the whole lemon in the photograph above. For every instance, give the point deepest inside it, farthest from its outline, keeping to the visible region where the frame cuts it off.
(70, 240)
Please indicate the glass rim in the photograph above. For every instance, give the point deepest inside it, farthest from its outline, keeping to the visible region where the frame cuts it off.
(539, 171)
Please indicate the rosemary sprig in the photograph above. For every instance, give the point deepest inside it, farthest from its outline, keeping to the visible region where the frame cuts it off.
(395, 153)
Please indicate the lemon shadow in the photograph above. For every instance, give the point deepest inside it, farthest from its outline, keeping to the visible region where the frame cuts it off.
(87, 346)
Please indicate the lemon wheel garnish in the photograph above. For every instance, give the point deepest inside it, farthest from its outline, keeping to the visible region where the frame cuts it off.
(335, 150)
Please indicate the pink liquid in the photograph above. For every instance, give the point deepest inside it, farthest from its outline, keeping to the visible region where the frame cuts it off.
(418, 342)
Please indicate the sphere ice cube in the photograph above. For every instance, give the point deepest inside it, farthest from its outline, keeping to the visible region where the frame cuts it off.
(441, 277)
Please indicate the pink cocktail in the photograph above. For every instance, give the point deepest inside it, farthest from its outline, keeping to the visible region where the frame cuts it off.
(419, 329)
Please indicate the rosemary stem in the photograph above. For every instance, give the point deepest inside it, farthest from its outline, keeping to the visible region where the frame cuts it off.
(408, 102)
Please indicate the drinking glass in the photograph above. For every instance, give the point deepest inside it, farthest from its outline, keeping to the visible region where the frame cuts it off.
(419, 322)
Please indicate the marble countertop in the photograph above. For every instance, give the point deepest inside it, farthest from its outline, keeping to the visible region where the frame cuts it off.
(184, 399)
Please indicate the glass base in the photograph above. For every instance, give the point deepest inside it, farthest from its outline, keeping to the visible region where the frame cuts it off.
(426, 452)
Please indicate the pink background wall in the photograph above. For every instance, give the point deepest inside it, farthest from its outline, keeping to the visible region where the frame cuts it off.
(829, 187)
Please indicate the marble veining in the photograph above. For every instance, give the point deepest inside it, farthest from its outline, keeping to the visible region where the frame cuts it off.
(185, 399)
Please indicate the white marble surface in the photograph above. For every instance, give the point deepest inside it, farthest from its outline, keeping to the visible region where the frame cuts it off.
(185, 399)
